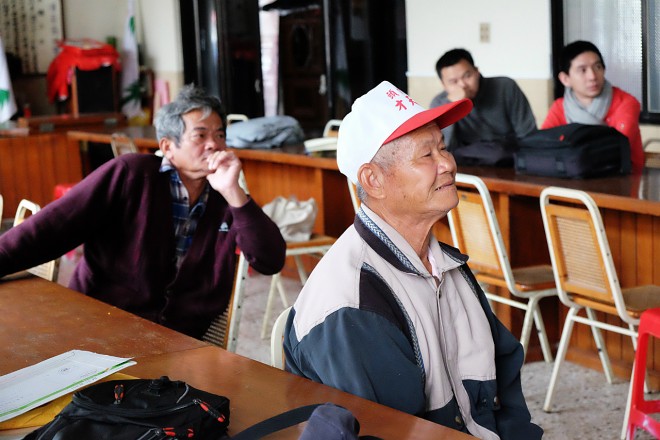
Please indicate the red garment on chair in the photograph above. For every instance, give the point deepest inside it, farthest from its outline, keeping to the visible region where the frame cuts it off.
(84, 54)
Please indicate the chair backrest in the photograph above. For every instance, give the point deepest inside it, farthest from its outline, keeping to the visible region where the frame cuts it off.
(46, 270)
(24, 208)
(235, 117)
(651, 157)
(242, 182)
(122, 144)
(223, 331)
(476, 231)
(579, 250)
(331, 128)
(94, 91)
(276, 338)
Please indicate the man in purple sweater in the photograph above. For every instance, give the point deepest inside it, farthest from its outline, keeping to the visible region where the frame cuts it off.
(159, 235)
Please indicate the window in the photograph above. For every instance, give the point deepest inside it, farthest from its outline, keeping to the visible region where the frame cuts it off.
(627, 32)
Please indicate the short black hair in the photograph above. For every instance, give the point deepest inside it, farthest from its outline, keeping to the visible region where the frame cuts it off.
(452, 57)
(572, 50)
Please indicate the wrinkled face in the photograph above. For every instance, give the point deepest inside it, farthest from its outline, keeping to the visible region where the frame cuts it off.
(420, 179)
(201, 137)
(586, 76)
(461, 78)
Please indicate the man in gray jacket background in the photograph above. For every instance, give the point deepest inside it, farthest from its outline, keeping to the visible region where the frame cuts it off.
(501, 111)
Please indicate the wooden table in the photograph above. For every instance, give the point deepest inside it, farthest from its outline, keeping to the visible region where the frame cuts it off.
(41, 319)
(258, 391)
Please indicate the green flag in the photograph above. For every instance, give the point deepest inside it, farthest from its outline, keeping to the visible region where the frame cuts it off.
(130, 73)
(7, 102)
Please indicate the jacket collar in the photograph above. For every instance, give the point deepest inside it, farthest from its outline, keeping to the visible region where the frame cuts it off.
(389, 244)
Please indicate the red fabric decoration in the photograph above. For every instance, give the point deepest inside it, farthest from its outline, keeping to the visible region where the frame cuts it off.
(85, 54)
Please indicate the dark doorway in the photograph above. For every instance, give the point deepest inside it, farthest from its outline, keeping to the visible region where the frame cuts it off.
(222, 51)
(335, 51)
(330, 52)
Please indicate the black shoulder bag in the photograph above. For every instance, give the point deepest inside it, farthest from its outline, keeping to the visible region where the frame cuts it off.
(147, 409)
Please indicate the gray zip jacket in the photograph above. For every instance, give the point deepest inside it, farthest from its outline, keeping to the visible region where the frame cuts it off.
(372, 321)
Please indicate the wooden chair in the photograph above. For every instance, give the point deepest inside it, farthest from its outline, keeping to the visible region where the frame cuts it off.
(317, 245)
(651, 158)
(122, 144)
(235, 117)
(585, 275)
(476, 232)
(276, 338)
(1, 206)
(223, 331)
(94, 91)
(47, 270)
(331, 128)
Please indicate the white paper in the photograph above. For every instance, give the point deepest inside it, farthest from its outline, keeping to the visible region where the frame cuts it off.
(32, 386)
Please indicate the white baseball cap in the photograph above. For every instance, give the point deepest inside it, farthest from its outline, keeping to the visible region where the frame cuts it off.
(382, 115)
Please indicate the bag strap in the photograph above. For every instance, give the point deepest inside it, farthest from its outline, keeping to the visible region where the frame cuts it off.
(276, 423)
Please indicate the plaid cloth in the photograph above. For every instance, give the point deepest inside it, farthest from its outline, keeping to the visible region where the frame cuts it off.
(185, 219)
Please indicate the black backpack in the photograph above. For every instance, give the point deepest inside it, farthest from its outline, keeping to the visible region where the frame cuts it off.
(573, 151)
(159, 409)
(140, 408)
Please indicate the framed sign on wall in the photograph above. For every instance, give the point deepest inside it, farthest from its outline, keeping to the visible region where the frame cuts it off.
(30, 30)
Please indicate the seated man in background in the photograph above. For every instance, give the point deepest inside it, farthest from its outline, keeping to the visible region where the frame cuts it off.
(501, 111)
(159, 234)
(389, 313)
(590, 99)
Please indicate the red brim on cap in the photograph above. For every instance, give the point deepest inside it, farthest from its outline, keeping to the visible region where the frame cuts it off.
(444, 116)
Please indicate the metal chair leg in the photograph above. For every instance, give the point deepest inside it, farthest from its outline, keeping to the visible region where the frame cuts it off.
(528, 322)
(625, 431)
(302, 273)
(600, 345)
(561, 354)
(275, 284)
(542, 334)
(269, 304)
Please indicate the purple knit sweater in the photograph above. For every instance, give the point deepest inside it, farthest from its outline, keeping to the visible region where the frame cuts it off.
(122, 212)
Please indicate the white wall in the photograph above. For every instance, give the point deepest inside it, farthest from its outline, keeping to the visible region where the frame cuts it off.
(519, 46)
(96, 19)
(157, 27)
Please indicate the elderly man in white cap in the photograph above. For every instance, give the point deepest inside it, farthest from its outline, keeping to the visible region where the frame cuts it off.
(391, 314)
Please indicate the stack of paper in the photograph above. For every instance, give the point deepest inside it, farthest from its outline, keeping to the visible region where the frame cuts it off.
(32, 386)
